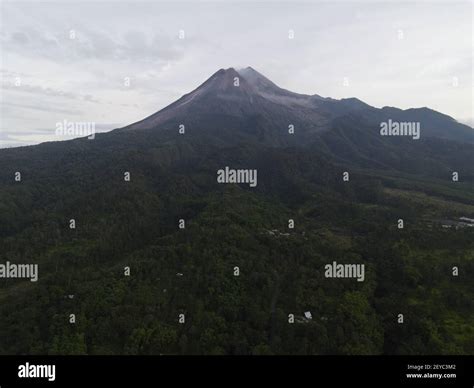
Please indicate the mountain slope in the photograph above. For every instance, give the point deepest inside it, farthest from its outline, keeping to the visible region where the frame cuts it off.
(135, 224)
(255, 95)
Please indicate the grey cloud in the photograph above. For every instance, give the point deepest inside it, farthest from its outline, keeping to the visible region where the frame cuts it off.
(20, 38)
(57, 46)
(43, 108)
(46, 91)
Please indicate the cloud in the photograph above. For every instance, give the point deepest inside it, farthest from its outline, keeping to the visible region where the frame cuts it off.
(44, 108)
(90, 43)
(9, 85)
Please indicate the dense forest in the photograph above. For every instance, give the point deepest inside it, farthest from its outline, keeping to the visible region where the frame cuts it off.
(183, 294)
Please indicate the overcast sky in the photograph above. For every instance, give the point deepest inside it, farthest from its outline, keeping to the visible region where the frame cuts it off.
(70, 60)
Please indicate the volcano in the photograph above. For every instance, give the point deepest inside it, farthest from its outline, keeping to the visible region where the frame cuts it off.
(178, 248)
(246, 95)
(243, 107)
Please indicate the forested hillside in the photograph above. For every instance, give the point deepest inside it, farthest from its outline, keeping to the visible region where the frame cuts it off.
(161, 258)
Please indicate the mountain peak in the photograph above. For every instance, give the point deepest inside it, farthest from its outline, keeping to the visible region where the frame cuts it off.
(224, 82)
(237, 93)
(222, 77)
(229, 71)
(250, 82)
(248, 70)
(245, 95)
(259, 81)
